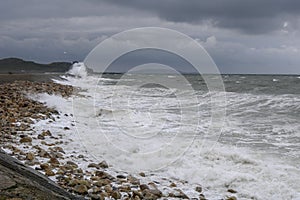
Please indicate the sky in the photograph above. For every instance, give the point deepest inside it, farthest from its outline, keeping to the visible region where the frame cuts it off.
(251, 36)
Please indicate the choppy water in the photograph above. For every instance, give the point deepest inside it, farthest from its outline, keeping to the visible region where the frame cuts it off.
(134, 125)
(262, 112)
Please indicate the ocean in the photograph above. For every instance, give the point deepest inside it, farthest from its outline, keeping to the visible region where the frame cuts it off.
(136, 125)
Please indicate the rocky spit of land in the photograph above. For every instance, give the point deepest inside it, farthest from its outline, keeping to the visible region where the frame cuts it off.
(45, 152)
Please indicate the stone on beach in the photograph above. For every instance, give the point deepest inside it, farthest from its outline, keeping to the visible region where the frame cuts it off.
(81, 189)
(26, 139)
(103, 164)
(198, 189)
(30, 156)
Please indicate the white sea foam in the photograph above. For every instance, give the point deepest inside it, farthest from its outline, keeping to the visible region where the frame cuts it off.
(78, 70)
(241, 160)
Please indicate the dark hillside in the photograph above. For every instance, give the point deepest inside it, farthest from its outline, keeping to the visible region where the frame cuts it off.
(16, 65)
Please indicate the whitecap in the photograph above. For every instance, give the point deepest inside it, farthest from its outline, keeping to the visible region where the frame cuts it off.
(78, 70)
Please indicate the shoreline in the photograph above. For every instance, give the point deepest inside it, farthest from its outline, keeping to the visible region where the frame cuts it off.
(46, 150)
(34, 77)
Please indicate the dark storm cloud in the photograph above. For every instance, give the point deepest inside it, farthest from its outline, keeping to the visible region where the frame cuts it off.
(139, 57)
(20, 9)
(253, 16)
(17, 9)
(242, 36)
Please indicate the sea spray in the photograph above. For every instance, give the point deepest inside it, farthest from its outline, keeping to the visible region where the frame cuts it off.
(78, 70)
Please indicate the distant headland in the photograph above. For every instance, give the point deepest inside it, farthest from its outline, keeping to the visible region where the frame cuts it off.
(19, 66)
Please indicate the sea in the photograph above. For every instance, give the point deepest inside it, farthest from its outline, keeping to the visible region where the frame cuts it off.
(172, 125)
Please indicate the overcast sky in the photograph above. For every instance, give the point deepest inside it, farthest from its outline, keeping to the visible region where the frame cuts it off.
(253, 36)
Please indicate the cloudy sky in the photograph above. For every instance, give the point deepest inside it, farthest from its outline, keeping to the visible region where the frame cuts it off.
(251, 36)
